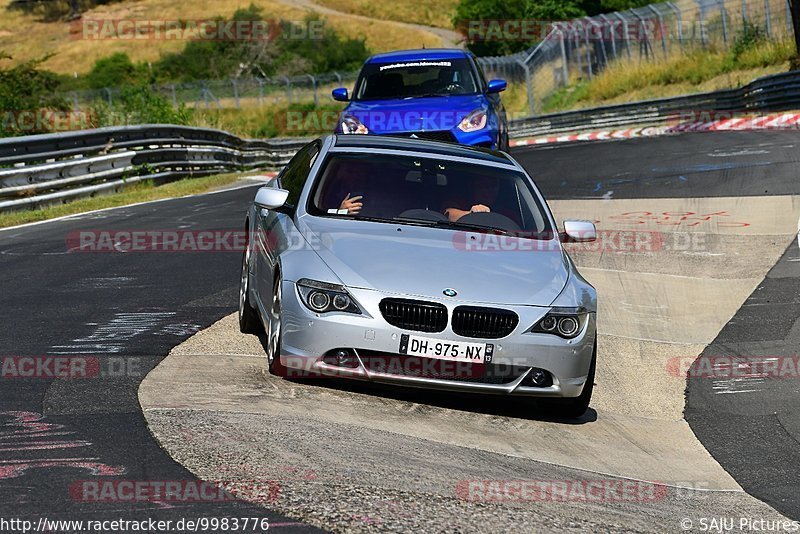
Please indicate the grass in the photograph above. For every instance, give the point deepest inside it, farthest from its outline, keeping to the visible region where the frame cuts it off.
(697, 71)
(138, 192)
(438, 13)
(23, 37)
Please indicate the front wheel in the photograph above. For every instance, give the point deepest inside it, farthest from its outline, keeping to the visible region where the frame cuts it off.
(249, 321)
(275, 331)
(575, 407)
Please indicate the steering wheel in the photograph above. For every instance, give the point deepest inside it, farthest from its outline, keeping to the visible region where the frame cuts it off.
(453, 87)
(491, 219)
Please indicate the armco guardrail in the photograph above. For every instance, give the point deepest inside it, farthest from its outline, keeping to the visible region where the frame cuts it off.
(778, 92)
(45, 169)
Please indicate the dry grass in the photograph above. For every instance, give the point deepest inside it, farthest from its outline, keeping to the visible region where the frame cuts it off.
(437, 13)
(23, 37)
(695, 72)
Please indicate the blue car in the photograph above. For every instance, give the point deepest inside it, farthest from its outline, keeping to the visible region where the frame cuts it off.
(438, 94)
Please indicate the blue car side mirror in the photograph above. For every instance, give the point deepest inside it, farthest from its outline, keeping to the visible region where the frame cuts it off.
(340, 94)
(495, 86)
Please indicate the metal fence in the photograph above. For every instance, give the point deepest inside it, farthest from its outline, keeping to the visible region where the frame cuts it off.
(231, 93)
(579, 49)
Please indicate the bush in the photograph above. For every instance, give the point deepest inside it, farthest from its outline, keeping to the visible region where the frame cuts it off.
(26, 88)
(115, 70)
(285, 55)
(138, 104)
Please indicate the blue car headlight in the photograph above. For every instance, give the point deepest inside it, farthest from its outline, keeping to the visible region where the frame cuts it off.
(351, 125)
(474, 121)
(323, 297)
(562, 322)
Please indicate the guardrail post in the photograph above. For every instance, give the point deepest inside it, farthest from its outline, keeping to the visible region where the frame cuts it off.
(529, 84)
(625, 33)
(564, 69)
(702, 27)
(767, 19)
(314, 85)
(678, 23)
(288, 89)
(610, 25)
(661, 28)
(601, 42)
(577, 51)
(588, 52)
(724, 20)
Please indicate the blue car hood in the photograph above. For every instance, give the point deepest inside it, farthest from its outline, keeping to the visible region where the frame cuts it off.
(415, 114)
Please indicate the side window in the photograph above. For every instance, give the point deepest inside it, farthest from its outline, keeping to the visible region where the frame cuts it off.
(294, 176)
(481, 75)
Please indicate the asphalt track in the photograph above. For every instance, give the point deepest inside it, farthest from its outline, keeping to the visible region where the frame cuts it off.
(53, 301)
(127, 307)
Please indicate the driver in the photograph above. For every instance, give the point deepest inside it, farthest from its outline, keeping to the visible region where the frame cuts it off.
(352, 181)
(484, 192)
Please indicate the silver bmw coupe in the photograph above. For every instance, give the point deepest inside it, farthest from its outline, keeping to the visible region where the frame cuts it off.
(421, 264)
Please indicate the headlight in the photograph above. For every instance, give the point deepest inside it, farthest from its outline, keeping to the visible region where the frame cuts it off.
(562, 322)
(351, 125)
(476, 120)
(322, 297)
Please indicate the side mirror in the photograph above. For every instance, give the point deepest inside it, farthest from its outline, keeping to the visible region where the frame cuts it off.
(495, 86)
(340, 94)
(578, 232)
(271, 198)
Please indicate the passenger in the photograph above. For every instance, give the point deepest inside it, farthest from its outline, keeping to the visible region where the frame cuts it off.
(485, 190)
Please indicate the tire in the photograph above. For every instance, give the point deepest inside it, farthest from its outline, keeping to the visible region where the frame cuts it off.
(275, 331)
(249, 321)
(574, 407)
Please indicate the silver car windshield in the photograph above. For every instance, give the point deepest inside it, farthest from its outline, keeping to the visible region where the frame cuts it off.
(429, 192)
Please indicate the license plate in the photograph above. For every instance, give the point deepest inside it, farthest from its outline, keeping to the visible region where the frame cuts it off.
(457, 351)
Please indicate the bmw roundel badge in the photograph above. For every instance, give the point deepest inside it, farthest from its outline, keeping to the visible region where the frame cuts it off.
(450, 292)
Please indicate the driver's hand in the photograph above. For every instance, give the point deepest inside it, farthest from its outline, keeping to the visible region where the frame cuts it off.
(479, 208)
(352, 205)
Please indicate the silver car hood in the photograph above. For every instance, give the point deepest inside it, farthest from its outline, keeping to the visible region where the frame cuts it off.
(420, 261)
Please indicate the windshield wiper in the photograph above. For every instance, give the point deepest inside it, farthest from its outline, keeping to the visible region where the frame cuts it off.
(427, 95)
(451, 224)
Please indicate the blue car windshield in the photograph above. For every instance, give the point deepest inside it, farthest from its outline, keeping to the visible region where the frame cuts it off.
(416, 79)
(428, 192)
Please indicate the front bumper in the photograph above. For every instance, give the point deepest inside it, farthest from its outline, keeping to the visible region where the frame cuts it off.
(308, 337)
